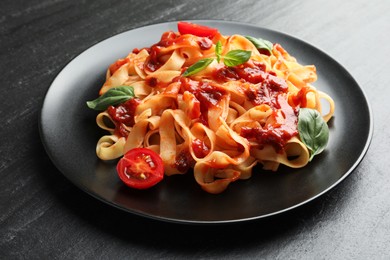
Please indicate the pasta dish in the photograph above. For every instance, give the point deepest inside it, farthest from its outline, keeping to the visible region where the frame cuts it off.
(212, 105)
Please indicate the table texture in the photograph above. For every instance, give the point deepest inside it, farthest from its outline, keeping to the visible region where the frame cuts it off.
(45, 216)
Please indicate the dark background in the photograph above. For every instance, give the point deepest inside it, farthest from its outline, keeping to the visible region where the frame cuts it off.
(43, 215)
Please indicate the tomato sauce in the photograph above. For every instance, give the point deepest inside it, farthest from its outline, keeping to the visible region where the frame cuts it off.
(300, 99)
(123, 114)
(152, 82)
(267, 89)
(251, 71)
(205, 43)
(208, 95)
(184, 161)
(169, 38)
(153, 63)
(278, 133)
(200, 149)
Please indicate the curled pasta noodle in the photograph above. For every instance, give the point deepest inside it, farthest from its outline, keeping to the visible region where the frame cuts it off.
(220, 121)
(325, 96)
(110, 147)
(295, 154)
(101, 121)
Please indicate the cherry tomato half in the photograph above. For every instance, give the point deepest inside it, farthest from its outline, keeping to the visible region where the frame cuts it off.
(196, 29)
(140, 168)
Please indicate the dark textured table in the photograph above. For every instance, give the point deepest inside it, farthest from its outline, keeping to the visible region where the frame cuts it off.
(45, 216)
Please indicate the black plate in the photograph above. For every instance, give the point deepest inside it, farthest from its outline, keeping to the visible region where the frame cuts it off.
(69, 133)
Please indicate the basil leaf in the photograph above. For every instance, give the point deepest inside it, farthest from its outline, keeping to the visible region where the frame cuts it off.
(218, 50)
(313, 130)
(112, 97)
(236, 57)
(200, 65)
(261, 44)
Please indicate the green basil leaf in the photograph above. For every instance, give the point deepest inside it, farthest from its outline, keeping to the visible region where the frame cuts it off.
(113, 96)
(260, 44)
(200, 65)
(313, 130)
(236, 57)
(218, 50)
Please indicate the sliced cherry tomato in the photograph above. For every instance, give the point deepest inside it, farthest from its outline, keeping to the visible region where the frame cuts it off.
(140, 168)
(196, 29)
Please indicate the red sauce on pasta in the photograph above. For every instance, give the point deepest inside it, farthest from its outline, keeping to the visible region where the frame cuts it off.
(169, 38)
(267, 89)
(200, 148)
(152, 82)
(251, 71)
(300, 99)
(205, 43)
(153, 62)
(123, 114)
(184, 161)
(206, 93)
(277, 132)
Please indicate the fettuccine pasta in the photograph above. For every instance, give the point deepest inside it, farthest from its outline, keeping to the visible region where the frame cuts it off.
(220, 121)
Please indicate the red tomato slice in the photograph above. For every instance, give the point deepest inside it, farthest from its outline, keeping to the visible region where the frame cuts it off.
(140, 168)
(196, 29)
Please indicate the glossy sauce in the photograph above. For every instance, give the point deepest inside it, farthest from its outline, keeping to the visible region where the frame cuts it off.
(280, 131)
(267, 89)
(184, 161)
(251, 71)
(123, 114)
(169, 38)
(200, 149)
(206, 93)
(300, 99)
(205, 43)
(152, 82)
